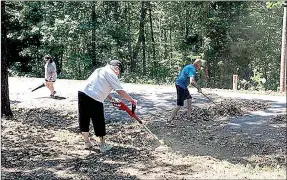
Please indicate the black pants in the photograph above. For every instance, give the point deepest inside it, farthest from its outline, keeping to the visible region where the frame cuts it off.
(182, 94)
(88, 108)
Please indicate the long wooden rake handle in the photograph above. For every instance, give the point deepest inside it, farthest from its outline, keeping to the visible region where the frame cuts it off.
(208, 98)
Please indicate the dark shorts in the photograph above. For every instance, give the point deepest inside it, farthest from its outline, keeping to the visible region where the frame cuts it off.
(182, 94)
(88, 109)
(49, 81)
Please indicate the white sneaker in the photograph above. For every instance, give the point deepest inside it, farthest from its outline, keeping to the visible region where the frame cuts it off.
(88, 145)
(105, 147)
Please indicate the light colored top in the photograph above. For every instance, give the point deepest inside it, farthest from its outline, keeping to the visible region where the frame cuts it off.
(100, 83)
(50, 71)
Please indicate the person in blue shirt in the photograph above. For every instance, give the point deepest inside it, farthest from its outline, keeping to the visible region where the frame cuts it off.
(186, 77)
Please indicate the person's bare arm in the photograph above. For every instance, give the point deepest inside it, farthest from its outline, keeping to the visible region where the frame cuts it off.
(110, 97)
(193, 82)
(125, 95)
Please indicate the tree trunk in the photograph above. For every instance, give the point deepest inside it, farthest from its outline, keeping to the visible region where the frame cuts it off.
(207, 69)
(79, 69)
(152, 41)
(170, 42)
(130, 50)
(165, 44)
(143, 14)
(60, 59)
(141, 34)
(186, 23)
(144, 56)
(5, 101)
(284, 51)
(116, 10)
(94, 59)
(135, 54)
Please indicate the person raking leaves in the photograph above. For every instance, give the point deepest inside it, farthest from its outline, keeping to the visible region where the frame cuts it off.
(91, 98)
(186, 77)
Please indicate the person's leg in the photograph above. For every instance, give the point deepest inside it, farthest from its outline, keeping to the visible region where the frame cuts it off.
(102, 141)
(50, 86)
(189, 108)
(53, 92)
(47, 84)
(85, 136)
(84, 117)
(188, 98)
(173, 113)
(180, 102)
(98, 119)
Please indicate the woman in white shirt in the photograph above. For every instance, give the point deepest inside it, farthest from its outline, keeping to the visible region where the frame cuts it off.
(50, 74)
(91, 97)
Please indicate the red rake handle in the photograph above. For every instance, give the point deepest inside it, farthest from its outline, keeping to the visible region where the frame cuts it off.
(122, 106)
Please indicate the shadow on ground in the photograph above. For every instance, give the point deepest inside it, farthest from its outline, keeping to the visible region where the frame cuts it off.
(48, 97)
(248, 139)
(32, 151)
(46, 164)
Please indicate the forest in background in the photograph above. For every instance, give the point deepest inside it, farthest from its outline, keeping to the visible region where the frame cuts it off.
(154, 40)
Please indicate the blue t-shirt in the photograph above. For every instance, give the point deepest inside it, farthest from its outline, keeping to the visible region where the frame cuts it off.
(183, 79)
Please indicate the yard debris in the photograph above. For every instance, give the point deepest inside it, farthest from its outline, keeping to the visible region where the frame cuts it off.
(225, 108)
(43, 141)
(281, 118)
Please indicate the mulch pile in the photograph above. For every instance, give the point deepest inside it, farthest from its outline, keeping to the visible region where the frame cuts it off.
(227, 107)
(279, 118)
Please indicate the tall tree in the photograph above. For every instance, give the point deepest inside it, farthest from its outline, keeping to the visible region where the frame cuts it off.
(284, 51)
(5, 101)
(129, 43)
(94, 60)
(140, 37)
(142, 30)
(152, 39)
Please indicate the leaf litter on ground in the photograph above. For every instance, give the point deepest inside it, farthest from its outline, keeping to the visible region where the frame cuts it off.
(281, 118)
(33, 139)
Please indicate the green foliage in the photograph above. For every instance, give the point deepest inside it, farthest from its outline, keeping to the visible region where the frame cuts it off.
(257, 82)
(274, 4)
(233, 38)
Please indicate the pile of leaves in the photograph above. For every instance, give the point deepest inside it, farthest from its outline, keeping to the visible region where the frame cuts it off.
(226, 108)
(279, 118)
(250, 105)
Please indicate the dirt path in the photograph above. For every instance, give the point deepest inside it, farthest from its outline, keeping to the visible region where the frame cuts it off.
(42, 140)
